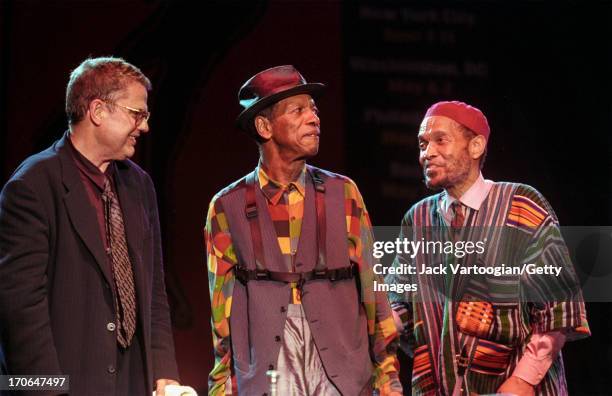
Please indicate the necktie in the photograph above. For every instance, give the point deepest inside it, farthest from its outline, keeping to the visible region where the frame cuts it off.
(125, 297)
(458, 215)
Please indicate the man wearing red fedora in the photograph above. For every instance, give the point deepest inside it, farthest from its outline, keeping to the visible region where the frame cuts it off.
(497, 321)
(289, 260)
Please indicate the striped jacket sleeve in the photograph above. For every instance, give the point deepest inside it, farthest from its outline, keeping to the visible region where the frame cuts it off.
(555, 302)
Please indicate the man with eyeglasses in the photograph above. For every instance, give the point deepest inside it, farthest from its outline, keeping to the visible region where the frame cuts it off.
(81, 276)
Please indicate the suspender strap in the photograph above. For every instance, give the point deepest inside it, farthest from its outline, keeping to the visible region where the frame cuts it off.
(261, 273)
(319, 185)
(251, 214)
(245, 275)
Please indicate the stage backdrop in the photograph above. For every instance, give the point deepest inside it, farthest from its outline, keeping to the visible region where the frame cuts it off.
(539, 71)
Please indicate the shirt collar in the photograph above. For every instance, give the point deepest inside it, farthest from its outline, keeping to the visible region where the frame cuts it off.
(88, 168)
(274, 190)
(473, 197)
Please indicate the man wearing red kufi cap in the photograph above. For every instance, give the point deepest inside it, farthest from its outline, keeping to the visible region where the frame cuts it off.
(305, 312)
(490, 325)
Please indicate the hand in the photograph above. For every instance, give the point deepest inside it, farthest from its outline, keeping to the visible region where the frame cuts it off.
(517, 386)
(160, 386)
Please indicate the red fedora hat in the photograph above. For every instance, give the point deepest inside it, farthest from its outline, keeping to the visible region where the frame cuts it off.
(268, 87)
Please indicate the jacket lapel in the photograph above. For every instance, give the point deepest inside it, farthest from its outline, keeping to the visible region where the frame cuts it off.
(81, 213)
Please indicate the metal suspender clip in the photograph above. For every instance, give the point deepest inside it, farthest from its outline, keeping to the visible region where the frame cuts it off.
(262, 274)
(352, 270)
(251, 211)
(242, 274)
(318, 181)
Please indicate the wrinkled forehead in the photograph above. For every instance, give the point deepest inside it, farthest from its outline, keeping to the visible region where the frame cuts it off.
(437, 124)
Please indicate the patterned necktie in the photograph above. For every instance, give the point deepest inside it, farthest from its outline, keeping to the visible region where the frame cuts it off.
(125, 298)
(458, 215)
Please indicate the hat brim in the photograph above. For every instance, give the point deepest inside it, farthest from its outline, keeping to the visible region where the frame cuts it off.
(244, 120)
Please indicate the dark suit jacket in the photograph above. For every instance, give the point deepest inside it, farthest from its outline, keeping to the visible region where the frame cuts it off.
(56, 298)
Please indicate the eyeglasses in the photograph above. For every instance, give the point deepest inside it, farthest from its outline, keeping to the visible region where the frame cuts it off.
(139, 115)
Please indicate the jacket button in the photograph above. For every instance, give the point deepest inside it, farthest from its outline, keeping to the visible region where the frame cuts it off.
(271, 367)
(277, 338)
(111, 369)
(110, 326)
(283, 309)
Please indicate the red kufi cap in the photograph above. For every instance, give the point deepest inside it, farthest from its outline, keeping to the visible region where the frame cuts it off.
(464, 114)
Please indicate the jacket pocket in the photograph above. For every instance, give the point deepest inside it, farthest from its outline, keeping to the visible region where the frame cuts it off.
(474, 317)
(499, 323)
(491, 358)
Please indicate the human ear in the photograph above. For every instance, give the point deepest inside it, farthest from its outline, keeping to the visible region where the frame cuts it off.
(477, 146)
(96, 111)
(263, 127)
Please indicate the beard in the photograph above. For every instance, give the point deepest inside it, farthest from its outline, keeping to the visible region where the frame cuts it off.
(454, 171)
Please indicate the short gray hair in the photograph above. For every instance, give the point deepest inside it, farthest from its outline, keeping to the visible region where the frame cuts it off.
(99, 78)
